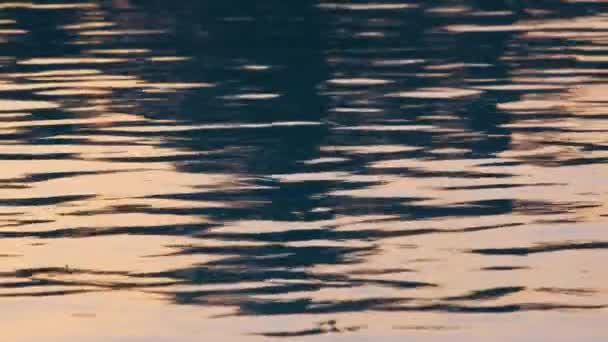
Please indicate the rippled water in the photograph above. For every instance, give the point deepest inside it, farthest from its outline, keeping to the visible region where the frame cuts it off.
(303, 170)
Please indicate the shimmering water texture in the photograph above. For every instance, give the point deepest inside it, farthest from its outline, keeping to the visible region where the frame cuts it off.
(201, 170)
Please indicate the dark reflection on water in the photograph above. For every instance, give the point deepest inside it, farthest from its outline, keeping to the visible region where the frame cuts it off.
(290, 169)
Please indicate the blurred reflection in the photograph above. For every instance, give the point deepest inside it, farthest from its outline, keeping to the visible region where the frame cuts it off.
(308, 167)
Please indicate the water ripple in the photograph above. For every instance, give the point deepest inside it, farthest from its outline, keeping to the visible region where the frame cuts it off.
(309, 169)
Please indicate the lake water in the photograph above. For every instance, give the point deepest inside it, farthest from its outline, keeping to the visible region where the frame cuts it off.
(198, 170)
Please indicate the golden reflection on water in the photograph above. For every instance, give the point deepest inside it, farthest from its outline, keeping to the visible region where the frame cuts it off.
(154, 190)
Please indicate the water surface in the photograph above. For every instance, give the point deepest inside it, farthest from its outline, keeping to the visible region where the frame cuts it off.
(303, 170)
